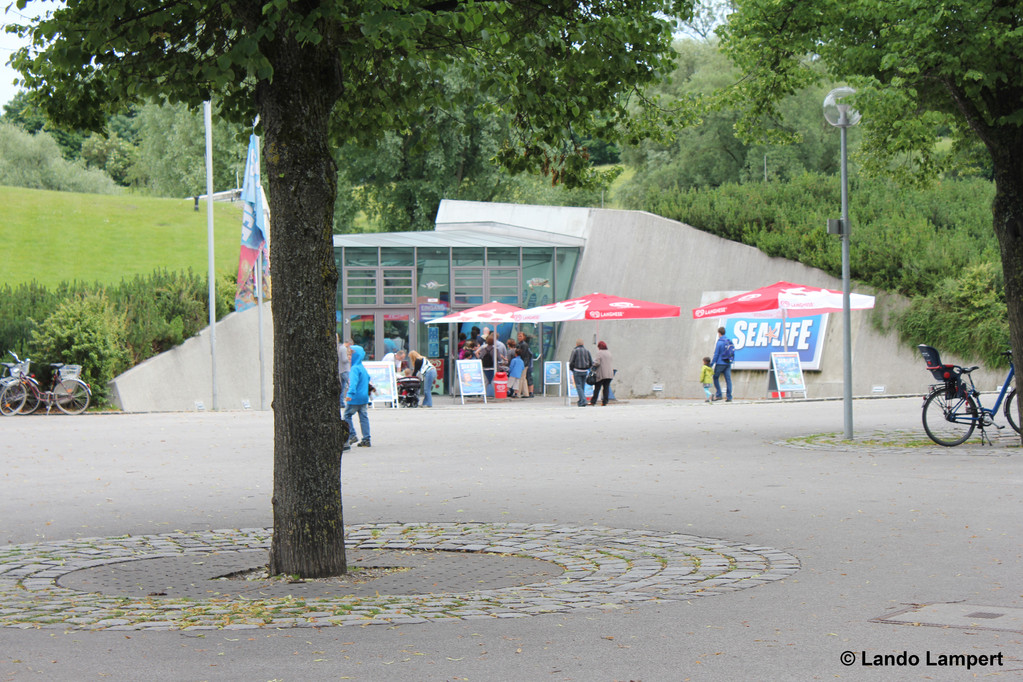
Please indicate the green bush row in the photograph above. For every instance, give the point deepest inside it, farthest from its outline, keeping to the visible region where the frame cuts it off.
(934, 245)
(107, 329)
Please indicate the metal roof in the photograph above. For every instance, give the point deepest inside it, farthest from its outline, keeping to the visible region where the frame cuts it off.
(456, 237)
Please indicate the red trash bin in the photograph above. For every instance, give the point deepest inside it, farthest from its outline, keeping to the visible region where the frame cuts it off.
(500, 385)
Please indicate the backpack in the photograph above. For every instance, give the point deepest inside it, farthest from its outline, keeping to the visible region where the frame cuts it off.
(728, 352)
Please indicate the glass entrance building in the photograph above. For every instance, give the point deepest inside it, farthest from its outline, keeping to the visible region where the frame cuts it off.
(392, 284)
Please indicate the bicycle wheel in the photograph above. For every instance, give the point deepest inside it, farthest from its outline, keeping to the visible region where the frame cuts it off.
(12, 398)
(949, 422)
(1010, 410)
(32, 401)
(71, 396)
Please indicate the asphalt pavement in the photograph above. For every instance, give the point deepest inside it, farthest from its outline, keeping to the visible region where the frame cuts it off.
(678, 541)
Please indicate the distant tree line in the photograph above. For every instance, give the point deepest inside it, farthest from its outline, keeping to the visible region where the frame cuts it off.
(924, 242)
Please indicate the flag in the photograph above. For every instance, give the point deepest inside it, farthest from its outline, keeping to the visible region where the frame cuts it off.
(255, 233)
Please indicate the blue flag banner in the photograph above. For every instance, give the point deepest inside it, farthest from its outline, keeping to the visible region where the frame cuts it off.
(255, 233)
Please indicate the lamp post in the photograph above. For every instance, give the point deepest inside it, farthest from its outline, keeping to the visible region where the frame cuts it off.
(842, 116)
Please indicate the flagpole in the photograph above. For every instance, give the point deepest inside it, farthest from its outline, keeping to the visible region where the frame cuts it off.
(259, 317)
(259, 276)
(208, 119)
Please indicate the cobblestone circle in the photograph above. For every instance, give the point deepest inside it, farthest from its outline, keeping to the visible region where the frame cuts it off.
(597, 568)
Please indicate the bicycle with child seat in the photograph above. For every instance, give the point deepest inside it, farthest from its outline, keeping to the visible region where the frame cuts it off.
(21, 393)
(953, 409)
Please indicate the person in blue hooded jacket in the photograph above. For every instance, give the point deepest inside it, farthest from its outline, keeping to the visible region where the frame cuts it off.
(358, 397)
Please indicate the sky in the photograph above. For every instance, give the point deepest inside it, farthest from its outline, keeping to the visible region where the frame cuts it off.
(9, 14)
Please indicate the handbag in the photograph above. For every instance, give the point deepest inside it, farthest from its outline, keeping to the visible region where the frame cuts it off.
(591, 378)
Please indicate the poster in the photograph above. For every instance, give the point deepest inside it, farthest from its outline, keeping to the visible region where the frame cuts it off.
(470, 379)
(433, 342)
(552, 373)
(381, 375)
(787, 373)
(572, 393)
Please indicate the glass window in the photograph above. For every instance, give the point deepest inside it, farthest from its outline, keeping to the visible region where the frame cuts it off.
(503, 256)
(339, 299)
(397, 256)
(565, 261)
(503, 285)
(361, 256)
(468, 287)
(433, 294)
(537, 277)
(397, 286)
(463, 255)
(433, 274)
(362, 330)
(360, 286)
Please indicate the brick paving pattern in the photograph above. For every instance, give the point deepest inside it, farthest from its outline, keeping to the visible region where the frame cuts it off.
(455, 571)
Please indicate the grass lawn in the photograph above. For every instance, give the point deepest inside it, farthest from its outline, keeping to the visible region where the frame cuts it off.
(52, 237)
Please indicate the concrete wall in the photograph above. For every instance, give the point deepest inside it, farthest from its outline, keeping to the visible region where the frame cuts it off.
(643, 256)
(561, 220)
(627, 253)
(175, 380)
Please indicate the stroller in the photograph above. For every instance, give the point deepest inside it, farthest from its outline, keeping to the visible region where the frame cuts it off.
(408, 391)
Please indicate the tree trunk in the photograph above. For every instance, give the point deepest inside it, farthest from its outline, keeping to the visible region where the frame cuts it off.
(295, 107)
(1008, 223)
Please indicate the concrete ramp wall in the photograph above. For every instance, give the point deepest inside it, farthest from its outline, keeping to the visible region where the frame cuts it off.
(627, 253)
(641, 255)
(175, 380)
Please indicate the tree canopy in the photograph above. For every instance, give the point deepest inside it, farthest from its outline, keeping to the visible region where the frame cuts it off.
(923, 69)
(321, 74)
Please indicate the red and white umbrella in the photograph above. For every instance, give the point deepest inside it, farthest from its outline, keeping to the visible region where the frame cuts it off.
(784, 298)
(488, 312)
(598, 307)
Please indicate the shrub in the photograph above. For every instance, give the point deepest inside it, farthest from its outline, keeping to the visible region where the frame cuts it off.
(934, 245)
(84, 330)
(965, 315)
(154, 313)
(35, 161)
(165, 308)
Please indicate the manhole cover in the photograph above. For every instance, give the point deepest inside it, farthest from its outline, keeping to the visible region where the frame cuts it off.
(958, 615)
(200, 576)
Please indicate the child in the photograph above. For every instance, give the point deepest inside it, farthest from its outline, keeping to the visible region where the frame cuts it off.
(516, 381)
(358, 398)
(706, 376)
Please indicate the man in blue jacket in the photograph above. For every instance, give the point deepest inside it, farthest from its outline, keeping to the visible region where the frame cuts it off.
(358, 397)
(724, 353)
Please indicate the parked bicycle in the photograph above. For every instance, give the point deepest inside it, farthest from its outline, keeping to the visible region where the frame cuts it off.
(953, 409)
(21, 394)
(13, 371)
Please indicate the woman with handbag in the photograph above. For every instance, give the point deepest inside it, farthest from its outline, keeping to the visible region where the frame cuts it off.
(603, 372)
(427, 373)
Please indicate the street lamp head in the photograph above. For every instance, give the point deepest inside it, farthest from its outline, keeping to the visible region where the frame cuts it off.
(838, 113)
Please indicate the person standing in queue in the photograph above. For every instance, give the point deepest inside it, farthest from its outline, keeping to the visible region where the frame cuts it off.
(487, 354)
(580, 362)
(344, 365)
(605, 373)
(527, 358)
(358, 398)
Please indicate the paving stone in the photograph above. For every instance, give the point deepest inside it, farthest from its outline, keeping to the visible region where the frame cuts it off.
(449, 572)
